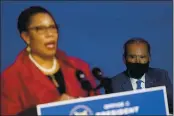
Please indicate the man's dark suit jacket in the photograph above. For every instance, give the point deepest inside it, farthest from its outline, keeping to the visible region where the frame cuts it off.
(153, 78)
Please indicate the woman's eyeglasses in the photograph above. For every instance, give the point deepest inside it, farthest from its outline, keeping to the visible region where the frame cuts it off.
(44, 29)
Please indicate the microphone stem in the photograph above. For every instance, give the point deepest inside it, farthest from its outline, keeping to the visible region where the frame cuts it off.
(88, 93)
(93, 91)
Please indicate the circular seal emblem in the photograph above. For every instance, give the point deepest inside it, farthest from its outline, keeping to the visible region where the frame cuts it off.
(80, 110)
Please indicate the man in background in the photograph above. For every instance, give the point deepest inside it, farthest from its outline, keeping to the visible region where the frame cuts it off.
(138, 74)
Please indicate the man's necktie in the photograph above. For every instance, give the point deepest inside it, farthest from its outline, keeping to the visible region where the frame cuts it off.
(139, 84)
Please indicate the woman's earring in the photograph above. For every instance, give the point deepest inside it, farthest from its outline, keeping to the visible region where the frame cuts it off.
(28, 49)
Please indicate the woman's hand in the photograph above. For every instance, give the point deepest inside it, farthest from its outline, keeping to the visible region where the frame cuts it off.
(65, 97)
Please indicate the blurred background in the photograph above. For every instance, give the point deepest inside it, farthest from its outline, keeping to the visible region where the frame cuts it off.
(96, 31)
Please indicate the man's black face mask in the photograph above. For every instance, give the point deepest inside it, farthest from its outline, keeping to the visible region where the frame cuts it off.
(136, 70)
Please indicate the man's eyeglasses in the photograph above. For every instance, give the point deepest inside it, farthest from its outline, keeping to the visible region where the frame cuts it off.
(44, 29)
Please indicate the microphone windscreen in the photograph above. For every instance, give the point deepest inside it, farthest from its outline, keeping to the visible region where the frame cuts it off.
(80, 75)
(86, 85)
(97, 73)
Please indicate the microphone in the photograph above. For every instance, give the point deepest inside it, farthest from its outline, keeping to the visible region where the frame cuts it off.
(104, 82)
(86, 85)
(97, 73)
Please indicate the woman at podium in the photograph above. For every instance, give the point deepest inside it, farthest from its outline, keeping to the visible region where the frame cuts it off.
(41, 73)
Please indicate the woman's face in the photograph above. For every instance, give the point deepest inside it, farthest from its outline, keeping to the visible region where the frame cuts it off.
(42, 35)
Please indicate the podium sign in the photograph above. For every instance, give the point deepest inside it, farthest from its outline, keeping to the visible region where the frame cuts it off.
(149, 101)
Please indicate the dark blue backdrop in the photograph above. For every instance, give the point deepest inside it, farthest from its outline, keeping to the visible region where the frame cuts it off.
(96, 31)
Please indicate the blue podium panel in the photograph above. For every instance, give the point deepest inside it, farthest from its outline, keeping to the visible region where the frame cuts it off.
(149, 101)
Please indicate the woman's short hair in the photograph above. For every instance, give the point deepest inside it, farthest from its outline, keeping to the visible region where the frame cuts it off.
(25, 16)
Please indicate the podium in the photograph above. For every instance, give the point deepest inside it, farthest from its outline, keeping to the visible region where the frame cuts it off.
(149, 101)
